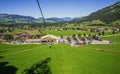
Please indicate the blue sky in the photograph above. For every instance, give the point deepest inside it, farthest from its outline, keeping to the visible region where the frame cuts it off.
(54, 8)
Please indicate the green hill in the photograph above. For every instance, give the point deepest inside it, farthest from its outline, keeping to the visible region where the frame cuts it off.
(15, 19)
(108, 15)
(10, 18)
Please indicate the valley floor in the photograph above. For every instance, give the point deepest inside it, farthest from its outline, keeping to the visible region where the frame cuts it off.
(65, 59)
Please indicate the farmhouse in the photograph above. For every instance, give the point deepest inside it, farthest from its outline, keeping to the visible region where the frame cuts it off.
(33, 41)
(24, 35)
(15, 35)
(2, 36)
(49, 38)
(43, 40)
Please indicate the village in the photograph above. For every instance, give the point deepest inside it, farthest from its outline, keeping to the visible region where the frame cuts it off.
(73, 40)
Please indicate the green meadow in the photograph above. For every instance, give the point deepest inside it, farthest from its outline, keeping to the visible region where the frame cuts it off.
(65, 59)
(67, 33)
(57, 33)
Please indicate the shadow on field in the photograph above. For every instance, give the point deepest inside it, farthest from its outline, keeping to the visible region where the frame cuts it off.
(5, 69)
(2, 51)
(42, 67)
(1, 57)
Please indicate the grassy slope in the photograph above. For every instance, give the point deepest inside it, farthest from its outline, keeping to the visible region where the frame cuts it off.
(114, 38)
(66, 59)
(113, 47)
(67, 33)
(59, 33)
(54, 32)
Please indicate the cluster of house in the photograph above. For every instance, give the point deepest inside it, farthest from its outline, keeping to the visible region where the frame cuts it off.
(43, 40)
(23, 35)
(117, 29)
(47, 39)
(99, 29)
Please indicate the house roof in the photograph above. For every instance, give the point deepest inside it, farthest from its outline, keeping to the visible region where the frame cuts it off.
(49, 36)
(33, 39)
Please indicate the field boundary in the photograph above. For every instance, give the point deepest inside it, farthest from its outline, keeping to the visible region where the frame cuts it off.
(17, 52)
(110, 35)
(106, 50)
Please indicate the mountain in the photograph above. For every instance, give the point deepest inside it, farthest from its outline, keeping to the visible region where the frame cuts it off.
(56, 19)
(12, 18)
(69, 19)
(64, 19)
(107, 15)
(40, 20)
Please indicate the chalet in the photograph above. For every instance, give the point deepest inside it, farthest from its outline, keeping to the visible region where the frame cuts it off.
(100, 29)
(32, 41)
(15, 35)
(43, 40)
(2, 36)
(24, 35)
(49, 38)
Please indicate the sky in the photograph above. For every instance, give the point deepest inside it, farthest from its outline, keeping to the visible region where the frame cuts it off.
(54, 8)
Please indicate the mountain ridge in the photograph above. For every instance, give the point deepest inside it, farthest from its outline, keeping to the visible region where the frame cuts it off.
(108, 14)
(15, 18)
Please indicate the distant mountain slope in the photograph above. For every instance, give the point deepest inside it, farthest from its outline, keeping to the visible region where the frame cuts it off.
(12, 18)
(56, 19)
(64, 19)
(40, 20)
(108, 14)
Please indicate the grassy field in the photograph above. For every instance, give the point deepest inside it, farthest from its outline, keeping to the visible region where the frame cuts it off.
(58, 33)
(65, 59)
(67, 33)
(54, 32)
